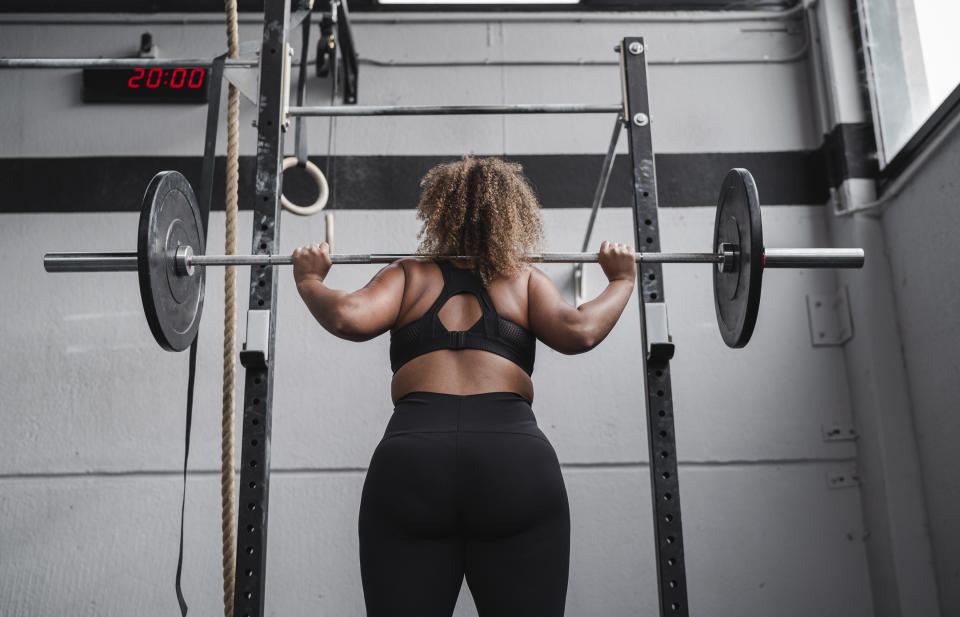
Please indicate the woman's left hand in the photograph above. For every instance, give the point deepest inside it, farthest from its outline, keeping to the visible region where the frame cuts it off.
(311, 262)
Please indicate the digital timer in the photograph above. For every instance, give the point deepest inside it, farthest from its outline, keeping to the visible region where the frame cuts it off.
(182, 84)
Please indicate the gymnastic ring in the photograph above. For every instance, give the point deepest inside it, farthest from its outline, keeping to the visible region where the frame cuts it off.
(321, 181)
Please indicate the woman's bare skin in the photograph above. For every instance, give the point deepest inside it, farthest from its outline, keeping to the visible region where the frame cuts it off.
(403, 291)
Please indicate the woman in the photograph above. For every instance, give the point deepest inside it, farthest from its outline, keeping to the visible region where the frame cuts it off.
(463, 482)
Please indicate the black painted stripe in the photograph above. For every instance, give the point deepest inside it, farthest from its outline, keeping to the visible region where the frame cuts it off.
(116, 184)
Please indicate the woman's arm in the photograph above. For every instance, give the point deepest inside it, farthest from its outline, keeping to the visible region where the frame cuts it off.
(358, 316)
(571, 330)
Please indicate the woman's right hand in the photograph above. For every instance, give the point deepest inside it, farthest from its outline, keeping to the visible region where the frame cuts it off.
(617, 261)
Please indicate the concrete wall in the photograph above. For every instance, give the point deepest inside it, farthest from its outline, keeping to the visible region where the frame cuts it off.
(919, 227)
(89, 484)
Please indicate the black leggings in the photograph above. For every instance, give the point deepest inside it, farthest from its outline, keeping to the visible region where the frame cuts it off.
(464, 485)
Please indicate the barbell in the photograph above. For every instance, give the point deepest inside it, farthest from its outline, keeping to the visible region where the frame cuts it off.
(170, 259)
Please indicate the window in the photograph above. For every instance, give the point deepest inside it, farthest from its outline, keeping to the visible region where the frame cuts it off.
(910, 50)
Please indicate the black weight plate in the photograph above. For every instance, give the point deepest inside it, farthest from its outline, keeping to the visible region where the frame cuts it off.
(169, 218)
(736, 294)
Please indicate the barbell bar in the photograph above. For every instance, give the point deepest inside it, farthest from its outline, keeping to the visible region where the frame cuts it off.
(171, 262)
(185, 259)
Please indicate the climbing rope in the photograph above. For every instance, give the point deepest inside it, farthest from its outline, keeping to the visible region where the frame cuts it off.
(227, 500)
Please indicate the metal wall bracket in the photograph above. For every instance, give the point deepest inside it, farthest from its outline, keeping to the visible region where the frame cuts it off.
(829, 317)
(246, 79)
(839, 431)
(843, 477)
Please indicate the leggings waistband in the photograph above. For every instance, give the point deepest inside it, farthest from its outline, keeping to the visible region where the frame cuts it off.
(437, 412)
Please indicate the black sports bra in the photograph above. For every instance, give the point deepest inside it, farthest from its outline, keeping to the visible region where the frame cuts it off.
(491, 332)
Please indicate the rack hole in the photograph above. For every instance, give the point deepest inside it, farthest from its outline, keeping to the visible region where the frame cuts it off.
(256, 401)
(252, 485)
(670, 539)
(673, 584)
(251, 506)
(652, 276)
(663, 454)
(649, 240)
(667, 496)
(253, 463)
(254, 422)
(251, 528)
(665, 475)
(249, 572)
(659, 392)
(653, 296)
(661, 413)
(675, 606)
(259, 302)
(663, 434)
(254, 443)
(647, 222)
(671, 561)
(249, 550)
(668, 518)
(659, 373)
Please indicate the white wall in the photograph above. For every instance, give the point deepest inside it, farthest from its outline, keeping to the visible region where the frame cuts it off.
(920, 226)
(89, 484)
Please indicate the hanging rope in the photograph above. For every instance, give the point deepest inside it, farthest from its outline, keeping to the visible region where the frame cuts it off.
(227, 500)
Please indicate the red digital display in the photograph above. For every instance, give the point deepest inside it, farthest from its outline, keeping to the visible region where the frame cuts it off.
(167, 78)
(184, 84)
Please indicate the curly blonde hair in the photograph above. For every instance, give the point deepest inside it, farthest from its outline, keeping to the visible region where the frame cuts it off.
(483, 207)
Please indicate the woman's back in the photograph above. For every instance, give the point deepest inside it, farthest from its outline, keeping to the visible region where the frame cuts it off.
(462, 371)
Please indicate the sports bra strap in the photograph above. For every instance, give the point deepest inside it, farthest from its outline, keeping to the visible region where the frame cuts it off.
(458, 280)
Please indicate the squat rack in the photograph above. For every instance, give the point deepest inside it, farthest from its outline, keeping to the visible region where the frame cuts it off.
(258, 388)
(272, 118)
